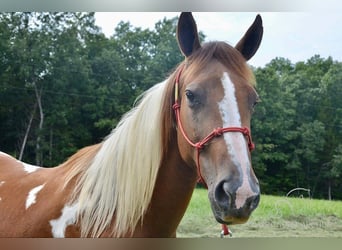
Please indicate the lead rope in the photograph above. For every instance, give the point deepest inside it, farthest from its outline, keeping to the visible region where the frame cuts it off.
(225, 231)
(201, 144)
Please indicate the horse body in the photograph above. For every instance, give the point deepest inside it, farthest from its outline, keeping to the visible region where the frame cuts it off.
(52, 208)
(30, 198)
(139, 180)
(44, 207)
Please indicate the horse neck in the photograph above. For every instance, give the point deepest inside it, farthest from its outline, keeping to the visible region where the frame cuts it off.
(174, 184)
(173, 189)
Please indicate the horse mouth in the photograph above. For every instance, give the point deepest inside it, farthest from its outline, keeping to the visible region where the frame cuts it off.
(231, 220)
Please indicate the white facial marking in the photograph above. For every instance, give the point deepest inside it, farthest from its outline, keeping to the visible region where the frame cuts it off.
(67, 218)
(29, 168)
(31, 198)
(236, 142)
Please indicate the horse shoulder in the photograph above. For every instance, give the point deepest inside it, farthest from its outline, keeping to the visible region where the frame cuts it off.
(30, 195)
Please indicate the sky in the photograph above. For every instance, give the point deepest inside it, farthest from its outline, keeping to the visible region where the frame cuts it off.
(296, 36)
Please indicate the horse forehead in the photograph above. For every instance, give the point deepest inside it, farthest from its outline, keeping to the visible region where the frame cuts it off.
(214, 83)
(210, 77)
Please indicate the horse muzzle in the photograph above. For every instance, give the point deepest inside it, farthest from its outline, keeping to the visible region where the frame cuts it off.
(233, 205)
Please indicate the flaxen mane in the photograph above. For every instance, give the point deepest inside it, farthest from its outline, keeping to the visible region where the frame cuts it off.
(132, 152)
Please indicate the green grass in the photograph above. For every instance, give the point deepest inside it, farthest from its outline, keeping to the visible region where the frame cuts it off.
(274, 217)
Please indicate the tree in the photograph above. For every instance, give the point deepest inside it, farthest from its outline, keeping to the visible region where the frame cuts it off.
(296, 124)
(29, 67)
(64, 85)
(333, 171)
(272, 125)
(331, 113)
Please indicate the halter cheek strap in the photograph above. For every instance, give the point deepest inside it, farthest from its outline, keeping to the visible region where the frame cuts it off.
(202, 143)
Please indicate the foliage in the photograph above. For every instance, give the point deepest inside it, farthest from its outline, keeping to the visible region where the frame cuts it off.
(64, 85)
(297, 127)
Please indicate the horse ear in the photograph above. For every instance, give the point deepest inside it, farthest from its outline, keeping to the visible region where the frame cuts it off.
(187, 34)
(250, 42)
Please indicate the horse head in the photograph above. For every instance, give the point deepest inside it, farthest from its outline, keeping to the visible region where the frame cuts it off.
(214, 101)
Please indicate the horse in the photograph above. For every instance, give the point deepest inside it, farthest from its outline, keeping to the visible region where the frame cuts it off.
(139, 180)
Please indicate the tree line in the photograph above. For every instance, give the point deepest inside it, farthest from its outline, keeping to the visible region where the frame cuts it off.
(65, 85)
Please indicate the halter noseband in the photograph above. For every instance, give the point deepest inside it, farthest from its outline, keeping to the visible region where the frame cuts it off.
(215, 133)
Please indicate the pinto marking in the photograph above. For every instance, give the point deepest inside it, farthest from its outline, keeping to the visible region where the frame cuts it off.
(236, 143)
(32, 195)
(29, 168)
(67, 218)
(1, 183)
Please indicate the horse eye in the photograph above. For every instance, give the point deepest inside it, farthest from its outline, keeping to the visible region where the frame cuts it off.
(255, 103)
(190, 95)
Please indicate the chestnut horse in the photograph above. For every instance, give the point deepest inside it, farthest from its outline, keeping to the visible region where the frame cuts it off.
(139, 180)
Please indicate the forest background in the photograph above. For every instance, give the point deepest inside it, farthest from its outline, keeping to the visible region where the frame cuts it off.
(65, 85)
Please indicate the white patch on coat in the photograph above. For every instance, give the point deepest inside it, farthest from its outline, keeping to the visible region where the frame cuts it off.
(235, 141)
(1, 183)
(67, 218)
(29, 168)
(32, 195)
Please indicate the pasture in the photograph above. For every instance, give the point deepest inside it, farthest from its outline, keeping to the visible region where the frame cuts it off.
(274, 217)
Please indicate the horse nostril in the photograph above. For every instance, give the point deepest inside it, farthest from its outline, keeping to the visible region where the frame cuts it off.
(252, 202)
(222, 195)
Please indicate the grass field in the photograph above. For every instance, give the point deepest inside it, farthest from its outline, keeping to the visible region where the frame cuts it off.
(274, 217)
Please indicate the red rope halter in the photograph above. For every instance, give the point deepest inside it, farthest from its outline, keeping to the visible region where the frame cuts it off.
(217, 132)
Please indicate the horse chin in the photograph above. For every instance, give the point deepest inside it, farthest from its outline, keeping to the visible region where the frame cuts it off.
(229, 220)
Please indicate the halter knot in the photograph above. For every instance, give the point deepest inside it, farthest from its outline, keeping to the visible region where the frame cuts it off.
(244, 131)
(251, 146)
(199, 145)
(217, 132)
(176, 106)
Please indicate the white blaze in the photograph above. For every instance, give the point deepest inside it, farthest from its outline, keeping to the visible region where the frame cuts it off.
(67, 218)
(31, 198)
(235, 141)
